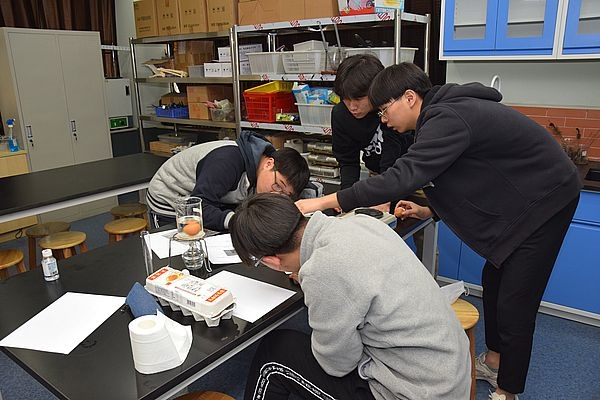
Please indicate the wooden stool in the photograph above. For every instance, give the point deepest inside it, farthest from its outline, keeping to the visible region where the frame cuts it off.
(39, 231)
(118, 228)
(8, 258)
(65, 242)
(205, 396)
(468, 316)
(138, 210)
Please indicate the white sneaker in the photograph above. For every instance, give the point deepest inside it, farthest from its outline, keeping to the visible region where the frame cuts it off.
(486, 373)
(496, 396)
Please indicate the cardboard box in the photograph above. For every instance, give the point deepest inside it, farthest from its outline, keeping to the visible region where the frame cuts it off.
(146, 19)
(222, 14)
(162, 148)
(168, 17)
(192, 16)
(248, 13)
(173, 98)
(200, 94)
(224, 53)
(320, 8)
(192, 52)
(349, 7)
(198, 111)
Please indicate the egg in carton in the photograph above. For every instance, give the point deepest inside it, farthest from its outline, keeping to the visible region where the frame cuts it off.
(191, 295)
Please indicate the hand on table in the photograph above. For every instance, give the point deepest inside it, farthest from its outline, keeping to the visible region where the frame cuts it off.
(408, 209)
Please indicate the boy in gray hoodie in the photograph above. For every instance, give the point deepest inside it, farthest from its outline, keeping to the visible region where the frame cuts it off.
(381, 328)
(223, 173)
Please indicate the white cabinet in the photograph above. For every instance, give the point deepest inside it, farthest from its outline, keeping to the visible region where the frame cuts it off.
(53, 85)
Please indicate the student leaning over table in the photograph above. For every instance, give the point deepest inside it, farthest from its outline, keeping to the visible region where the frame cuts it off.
(380, 326)
(223, 173)
(498, 180)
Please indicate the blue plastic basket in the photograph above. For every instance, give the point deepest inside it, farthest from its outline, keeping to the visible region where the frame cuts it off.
(172, 112)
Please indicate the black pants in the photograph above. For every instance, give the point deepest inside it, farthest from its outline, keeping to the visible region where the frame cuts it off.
(284, 364)
(157, 220)
(512, 296)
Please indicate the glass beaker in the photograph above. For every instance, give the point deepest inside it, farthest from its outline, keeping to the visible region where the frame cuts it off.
(188, 213)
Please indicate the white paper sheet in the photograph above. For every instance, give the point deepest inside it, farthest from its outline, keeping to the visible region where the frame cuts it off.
(220, 250)
(61, 326)
(253, 298)
(159, 243)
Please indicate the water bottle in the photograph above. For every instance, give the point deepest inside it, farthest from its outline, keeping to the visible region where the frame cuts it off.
(49, 265)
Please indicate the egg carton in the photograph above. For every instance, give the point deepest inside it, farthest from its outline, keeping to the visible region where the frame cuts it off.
(191, 295)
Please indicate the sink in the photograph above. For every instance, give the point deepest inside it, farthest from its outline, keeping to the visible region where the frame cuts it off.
(593, 174)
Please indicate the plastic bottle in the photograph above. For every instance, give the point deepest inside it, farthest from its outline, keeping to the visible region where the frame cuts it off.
(49, 265)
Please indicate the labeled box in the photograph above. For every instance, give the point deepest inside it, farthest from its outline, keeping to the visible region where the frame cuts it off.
(224, 53)
(320, 8)
(221, 14)
(217, 69)
(146, 18)
(192, 16)
(168, 17)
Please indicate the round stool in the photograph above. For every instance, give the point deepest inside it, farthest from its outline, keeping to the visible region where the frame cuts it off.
(117, 229)
(468, 316)
(39, 231)
(138, 210)
(205, 396)
(9, 258)
(65, 243)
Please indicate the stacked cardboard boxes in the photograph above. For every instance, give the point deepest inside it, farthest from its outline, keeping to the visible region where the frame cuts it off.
(222, 14)
(192, 16)
(192, 52)
(197, 96)
(253, 12)
(146, 18)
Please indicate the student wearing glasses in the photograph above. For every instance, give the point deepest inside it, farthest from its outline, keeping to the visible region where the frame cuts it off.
(223, 173)
(381, 328)
(498, 180)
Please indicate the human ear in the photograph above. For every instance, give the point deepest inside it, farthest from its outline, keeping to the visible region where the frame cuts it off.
(272, 262)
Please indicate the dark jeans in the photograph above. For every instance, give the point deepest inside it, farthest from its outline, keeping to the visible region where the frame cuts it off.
(284, 364)
(512, 296)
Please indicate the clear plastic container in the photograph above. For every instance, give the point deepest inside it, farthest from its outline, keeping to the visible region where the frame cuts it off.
(384, 54)
(304, 62)
(315, 114)
(266, 63)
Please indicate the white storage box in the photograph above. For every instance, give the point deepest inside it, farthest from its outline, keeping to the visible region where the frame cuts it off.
(266, 63)
(304, 62)
(310, 45)
(217, 69)
(385, 54)
(191, 295)
(196, 71)
(243, 49)
(315, 114)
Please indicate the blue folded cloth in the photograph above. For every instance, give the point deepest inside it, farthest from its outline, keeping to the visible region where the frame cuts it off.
(141, 302)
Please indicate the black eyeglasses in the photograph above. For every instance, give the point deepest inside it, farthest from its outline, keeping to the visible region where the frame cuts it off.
(382, 113)
(276, 187)
(257, 261)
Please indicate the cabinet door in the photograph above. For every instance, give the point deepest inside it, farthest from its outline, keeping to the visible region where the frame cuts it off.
(469, 27)
(574, 280)
(39, 81)
(582, 30)
(84, 88)
(449, 252)
(526, 26)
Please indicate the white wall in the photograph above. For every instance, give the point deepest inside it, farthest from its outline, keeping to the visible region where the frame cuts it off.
(569, 84)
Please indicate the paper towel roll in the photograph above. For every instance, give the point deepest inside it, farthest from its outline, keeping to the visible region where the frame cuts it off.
(158, 343)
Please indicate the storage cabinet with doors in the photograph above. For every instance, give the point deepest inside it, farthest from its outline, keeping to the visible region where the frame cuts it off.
(273, 32)
(149, 89)
(53, 86)
(572, 286)
(582, 29)
(499, 28)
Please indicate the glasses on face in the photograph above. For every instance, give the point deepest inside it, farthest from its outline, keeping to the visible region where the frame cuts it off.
(276, 187)
(257, 261)
(382, 113)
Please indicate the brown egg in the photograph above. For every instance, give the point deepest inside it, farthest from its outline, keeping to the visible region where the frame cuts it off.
(398, 212)
(192, 228)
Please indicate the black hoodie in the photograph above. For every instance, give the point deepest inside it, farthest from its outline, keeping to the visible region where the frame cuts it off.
(493, 175)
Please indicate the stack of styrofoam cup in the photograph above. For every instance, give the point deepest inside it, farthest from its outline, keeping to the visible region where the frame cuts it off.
(158, 343)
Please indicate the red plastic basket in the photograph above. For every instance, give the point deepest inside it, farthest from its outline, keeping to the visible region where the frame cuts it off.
(264, 101)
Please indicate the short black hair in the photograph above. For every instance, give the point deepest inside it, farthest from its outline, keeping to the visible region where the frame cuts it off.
(393, 81)
(293, 167)
(355, 74)
(265, 224)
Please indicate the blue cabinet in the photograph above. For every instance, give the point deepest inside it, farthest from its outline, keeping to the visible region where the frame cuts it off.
(576, 275)
(499, 27)
(582, 27)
